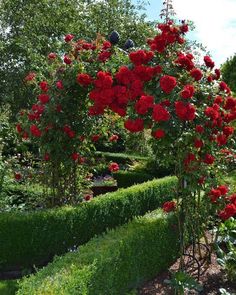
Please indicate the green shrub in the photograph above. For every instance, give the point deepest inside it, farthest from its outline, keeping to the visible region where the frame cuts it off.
(113, 263)
(128, 178)
(19, 197)
(29, 239)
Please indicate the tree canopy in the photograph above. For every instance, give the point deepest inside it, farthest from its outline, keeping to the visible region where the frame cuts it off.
(228, 70)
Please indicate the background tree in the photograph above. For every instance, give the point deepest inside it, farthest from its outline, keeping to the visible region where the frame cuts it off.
(228, 70)
(31, 29)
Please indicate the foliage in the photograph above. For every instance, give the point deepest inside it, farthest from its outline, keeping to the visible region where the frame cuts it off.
(31, 30)
(39, 235)
(113, 263)
(16, 197)
(8, 287)
(181, 282)
(229, 72)
(128, 178)
(226, 248)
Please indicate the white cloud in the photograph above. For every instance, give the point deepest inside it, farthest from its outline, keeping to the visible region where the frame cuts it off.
(215, 22)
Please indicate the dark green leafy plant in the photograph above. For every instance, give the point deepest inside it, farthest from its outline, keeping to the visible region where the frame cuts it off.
(181, 282)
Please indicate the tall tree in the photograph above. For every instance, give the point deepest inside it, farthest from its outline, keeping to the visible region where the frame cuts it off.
(228, 70)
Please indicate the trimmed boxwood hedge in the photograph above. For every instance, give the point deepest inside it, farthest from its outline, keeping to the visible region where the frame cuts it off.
(128, 178)
(113, 263)
(28, 239)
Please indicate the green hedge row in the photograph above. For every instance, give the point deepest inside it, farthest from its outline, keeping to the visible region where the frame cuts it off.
(127, 178)
(28, 239)
(121, 158)
(111, 264)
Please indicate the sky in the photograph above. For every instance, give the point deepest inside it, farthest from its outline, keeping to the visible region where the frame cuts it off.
(215, 22)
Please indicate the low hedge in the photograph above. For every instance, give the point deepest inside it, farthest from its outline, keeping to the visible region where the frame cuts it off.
(113, 263)
(29, 239)
(127, 178)
(121, 158)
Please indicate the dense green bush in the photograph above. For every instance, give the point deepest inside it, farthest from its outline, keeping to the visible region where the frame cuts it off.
(113, 263)
(33, 238)
(128, 178)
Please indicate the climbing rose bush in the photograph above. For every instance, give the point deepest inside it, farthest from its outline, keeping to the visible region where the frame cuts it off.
(60, 121)
(161, 87)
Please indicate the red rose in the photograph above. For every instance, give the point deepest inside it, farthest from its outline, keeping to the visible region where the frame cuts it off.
(59, 84)
(201, 180)
(104, 56)
(19, 128)
(141, 57)
(169, 206)
(25, 135)
(84, 79)
(67, 60)
(208, 62)
(187, 92)
(75, 157)
(43, 98)
(31, 76)
(209, 79)
(221, 139)
(209, 159)
(136, 125)
(160, 113)
(232, 199)
(17, 176)
(224, 87)
(196, 74)
(87, 197)
(214, 195)
(52, 55)
(199, 129)
(228, 130)
(167, 83)
(159, 133)
(185, 111)
(223, 189)
(114, 138)
(229, 211)
(198, 143)
(189, 158)
(35, 131)
(46, 157)
(230, 103)
(113, 167)
(44, 86)
(68, 37)
(96, 137)
(218, 100)
(184, 28)
(144, 104)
